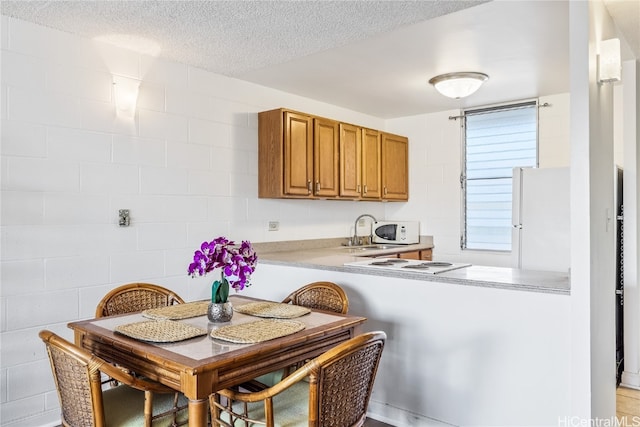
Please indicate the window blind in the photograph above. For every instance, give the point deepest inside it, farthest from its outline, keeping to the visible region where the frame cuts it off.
(496, 140)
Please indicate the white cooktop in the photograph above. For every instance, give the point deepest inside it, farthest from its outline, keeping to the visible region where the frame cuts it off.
(408, 265)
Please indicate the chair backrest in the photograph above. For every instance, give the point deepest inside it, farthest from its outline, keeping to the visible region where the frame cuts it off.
(77, 377)
(135, 297)
(341, 382)
(322, 296)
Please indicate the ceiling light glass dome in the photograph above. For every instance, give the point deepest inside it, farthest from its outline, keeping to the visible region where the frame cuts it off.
(458, 85)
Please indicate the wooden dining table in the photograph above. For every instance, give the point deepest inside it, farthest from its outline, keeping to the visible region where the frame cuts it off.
(202, 365)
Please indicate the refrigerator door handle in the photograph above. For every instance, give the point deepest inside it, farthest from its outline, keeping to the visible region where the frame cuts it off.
(516, 219)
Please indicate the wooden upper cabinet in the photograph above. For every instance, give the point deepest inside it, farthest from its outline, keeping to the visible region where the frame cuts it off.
(271, 154)
(305, 156)
(395, 167)
(325, 158)
(350, 161)
(285, 154)
(298, 154)
(359, 162)
(371, 164)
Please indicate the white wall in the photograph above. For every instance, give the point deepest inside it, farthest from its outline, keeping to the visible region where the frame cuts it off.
(435, 167)
(455, 354)
(186, 167)
(592, 235)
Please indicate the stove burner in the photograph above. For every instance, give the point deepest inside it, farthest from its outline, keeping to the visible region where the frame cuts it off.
(422, 266)
(388, 262)
(427, 265)
(438, 264)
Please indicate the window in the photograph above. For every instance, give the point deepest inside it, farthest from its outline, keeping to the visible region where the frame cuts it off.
(496, 140)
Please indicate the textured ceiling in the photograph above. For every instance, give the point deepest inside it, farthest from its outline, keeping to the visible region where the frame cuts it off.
(231, 37)
(369, 56)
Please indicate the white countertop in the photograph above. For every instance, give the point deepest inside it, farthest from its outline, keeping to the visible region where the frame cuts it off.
(327, 254)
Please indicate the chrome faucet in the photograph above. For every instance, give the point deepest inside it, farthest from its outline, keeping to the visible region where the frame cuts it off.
(355, 230)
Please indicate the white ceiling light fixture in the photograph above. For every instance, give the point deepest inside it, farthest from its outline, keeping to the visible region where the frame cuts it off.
(458, 85)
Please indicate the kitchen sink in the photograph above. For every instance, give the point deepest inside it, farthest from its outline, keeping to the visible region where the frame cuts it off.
(373, 247)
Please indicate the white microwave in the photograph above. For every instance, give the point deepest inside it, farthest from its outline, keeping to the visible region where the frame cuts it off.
(396, 232)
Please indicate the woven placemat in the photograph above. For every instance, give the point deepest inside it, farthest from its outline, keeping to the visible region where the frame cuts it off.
(178, 311)
(272, 309)
(258, 331)
(161, 331)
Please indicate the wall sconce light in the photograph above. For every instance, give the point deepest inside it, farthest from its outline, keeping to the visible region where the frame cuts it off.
(458, 85)
(609, 64)
(125, 94)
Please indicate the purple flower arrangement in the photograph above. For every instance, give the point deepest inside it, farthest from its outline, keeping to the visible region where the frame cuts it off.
(237, 264)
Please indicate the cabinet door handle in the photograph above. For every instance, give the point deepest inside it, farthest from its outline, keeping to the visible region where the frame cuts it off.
(309, 189)
(358, 188)
(365, 189)
(385, 191)
(317, 187)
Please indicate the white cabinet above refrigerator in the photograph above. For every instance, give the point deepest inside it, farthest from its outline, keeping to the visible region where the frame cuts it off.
(541, 219)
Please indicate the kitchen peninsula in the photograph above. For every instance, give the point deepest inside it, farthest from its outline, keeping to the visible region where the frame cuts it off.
(471, 346)
(329, 254)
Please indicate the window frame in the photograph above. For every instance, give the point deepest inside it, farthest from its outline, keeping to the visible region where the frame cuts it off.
(526, 103)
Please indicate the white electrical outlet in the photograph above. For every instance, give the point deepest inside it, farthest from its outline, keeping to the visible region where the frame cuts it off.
(274, 225)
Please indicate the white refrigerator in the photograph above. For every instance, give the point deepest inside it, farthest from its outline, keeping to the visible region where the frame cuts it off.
(541, 220)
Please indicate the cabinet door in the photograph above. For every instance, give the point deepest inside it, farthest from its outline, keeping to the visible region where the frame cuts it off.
(371, 182)
(424, 255)
(325, 158)
(350, 161)
(298, 154)
(395, 167)
(409, 255)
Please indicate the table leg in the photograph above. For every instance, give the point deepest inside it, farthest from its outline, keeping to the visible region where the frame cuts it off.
(198, 413)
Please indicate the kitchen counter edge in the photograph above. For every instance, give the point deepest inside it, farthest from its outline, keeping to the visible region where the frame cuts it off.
(322, 256)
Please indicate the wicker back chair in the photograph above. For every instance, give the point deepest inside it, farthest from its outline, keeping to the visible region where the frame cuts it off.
(322, 296)
(77, 375)
(336, 394)
(135, 297)
(317, 295)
